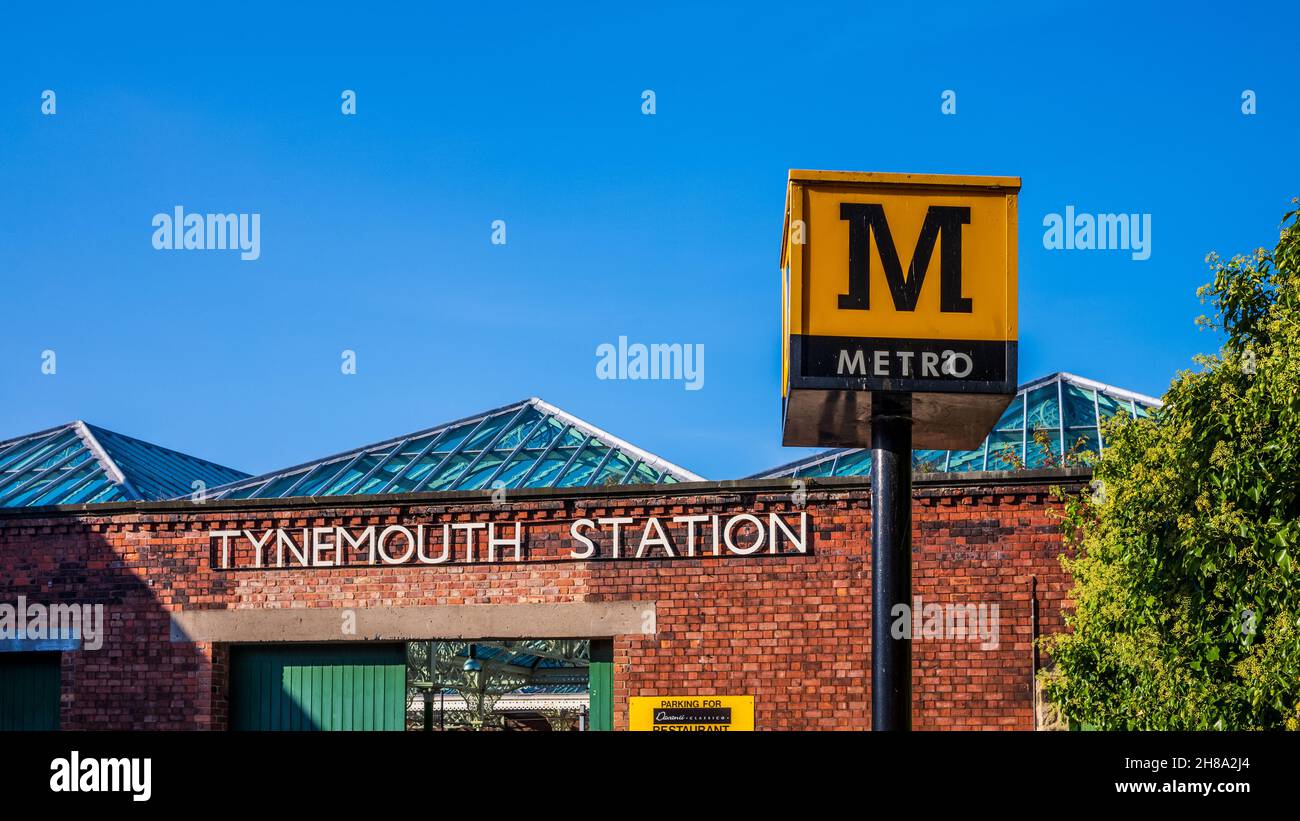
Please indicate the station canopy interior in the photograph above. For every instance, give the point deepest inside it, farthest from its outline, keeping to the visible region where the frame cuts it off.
(497, 685)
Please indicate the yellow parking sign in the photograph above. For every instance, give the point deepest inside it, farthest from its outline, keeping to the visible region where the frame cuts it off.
(691, 713)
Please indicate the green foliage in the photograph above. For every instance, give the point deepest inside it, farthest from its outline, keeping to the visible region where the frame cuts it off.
(1076, 456)
(1186, 552)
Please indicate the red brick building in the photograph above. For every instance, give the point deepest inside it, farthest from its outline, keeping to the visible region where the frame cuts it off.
(791, 629)
(522, 569)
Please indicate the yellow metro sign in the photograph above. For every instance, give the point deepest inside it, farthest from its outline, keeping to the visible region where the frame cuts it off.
(898, 283)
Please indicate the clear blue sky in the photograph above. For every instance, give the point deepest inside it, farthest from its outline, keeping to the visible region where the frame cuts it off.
(375, 228)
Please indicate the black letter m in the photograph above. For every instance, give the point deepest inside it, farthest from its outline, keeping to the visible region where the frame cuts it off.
(864, 218)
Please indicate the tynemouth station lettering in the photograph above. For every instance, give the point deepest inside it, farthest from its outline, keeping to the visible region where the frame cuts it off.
(598, 538)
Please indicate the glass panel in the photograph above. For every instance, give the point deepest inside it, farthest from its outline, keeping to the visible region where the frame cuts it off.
(581, 469)
(1082, 441)
(963, 461)
(89, 491)
(245, 493)
(1013, 418)
(1004, 450)
(410, 450)
(1111, 406)
(13, 460)
(929, 461)
(349, 477)
(11, 481)
(454, 437)
(643, 475)
(489, 429)
(857, 463)
(518, 467)
(42, 456)
(445, 479)
(1043, 412)
(545, 473)
(414, 474)
(398, 467)
(517, 431)
(1079, 409)
(33, 493)
(56, 489)
(15, 455)
(543, 436)
(485, 468)
(107, 492)
(278, 486)
(573, 439)
(820, 469)
(313, 485)
(1143, 411)
(1043, 451)
(614, 470)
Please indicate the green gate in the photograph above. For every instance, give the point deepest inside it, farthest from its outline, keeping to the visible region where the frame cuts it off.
(318, 687)
(29, 691)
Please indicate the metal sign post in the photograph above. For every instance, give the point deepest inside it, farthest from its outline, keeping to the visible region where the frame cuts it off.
(891, 559)
(898, 332)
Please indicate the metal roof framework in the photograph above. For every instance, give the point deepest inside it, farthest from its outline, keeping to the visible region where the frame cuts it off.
(78, 463)
(487, 678)
(1065, 407)
(528, 444)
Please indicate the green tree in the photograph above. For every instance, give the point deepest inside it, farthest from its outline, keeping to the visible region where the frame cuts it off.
(1187, 588)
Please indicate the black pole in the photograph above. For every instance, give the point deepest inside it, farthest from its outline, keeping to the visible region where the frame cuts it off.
(891, 559)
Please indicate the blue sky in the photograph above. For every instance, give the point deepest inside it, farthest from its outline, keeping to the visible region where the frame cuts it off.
(375, 229)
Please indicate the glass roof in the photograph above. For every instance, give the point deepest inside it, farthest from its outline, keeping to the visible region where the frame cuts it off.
(529, 444)
(80, 464)
(1064, 407)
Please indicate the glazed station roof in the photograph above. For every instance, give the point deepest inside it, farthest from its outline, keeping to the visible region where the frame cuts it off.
(1049, 416)
(529, 444)
(79, 463)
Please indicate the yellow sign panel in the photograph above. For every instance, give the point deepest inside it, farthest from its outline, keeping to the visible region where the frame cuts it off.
(691, 713)
(898, 283)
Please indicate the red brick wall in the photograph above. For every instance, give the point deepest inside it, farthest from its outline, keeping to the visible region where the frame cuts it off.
(792, 630)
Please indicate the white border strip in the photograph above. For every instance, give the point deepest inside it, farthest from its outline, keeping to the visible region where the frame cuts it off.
(115, 474)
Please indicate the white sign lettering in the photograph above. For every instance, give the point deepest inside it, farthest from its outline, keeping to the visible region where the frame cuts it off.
(434, 543)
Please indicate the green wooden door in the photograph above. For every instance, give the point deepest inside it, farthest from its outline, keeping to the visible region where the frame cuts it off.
(600, 685)
(318, 687)
(29, 691)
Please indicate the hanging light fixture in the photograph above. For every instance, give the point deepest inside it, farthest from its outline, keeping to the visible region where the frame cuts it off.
(473, 669)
